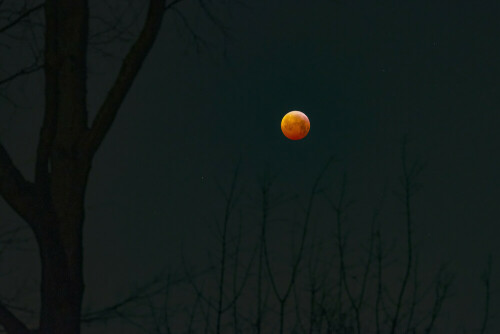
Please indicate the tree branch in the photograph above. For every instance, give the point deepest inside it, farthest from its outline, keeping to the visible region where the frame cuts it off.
(486, 277)
(408, 182)
(15, 189)
(128, 72)
(21, 17)
(11, 323)
(25, 71)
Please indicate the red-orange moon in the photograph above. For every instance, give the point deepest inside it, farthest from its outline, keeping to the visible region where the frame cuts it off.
(295, 125)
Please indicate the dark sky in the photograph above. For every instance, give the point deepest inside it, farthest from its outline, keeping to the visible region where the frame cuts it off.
(365, 73)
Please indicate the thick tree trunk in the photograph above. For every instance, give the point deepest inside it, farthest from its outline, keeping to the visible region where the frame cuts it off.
(62, 283)
(60, 245)
(53, 205)
(63, 166)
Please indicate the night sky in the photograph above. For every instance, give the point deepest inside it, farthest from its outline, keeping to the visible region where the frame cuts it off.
(366, 73)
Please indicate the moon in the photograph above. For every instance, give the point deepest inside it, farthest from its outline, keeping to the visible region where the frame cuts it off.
(295, 125)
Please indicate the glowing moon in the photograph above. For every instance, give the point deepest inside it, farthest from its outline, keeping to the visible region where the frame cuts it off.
(295, 125)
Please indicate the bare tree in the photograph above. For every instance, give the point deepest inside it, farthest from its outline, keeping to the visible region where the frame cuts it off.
(231, 276)
(53, 203)
(283, 297)
(328, 289)
(410, 173)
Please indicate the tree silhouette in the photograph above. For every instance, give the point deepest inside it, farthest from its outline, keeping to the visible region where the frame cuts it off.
(328, 286)
(52, 204)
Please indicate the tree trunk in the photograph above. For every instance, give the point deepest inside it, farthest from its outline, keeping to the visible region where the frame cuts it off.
(60, 245)
(53, 205)
(62, 283)
(63, 166)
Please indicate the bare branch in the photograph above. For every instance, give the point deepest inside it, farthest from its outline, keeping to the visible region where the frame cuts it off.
(21, 17)
(11, 323)
(25, 71)
(414, 299)
(378, 299)
(227, 213)
(441, 293)
(486, 277)
(128, 72)
(282, 298)
(114, 30)
(15, 189)
(197, 39)
(409, 175)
